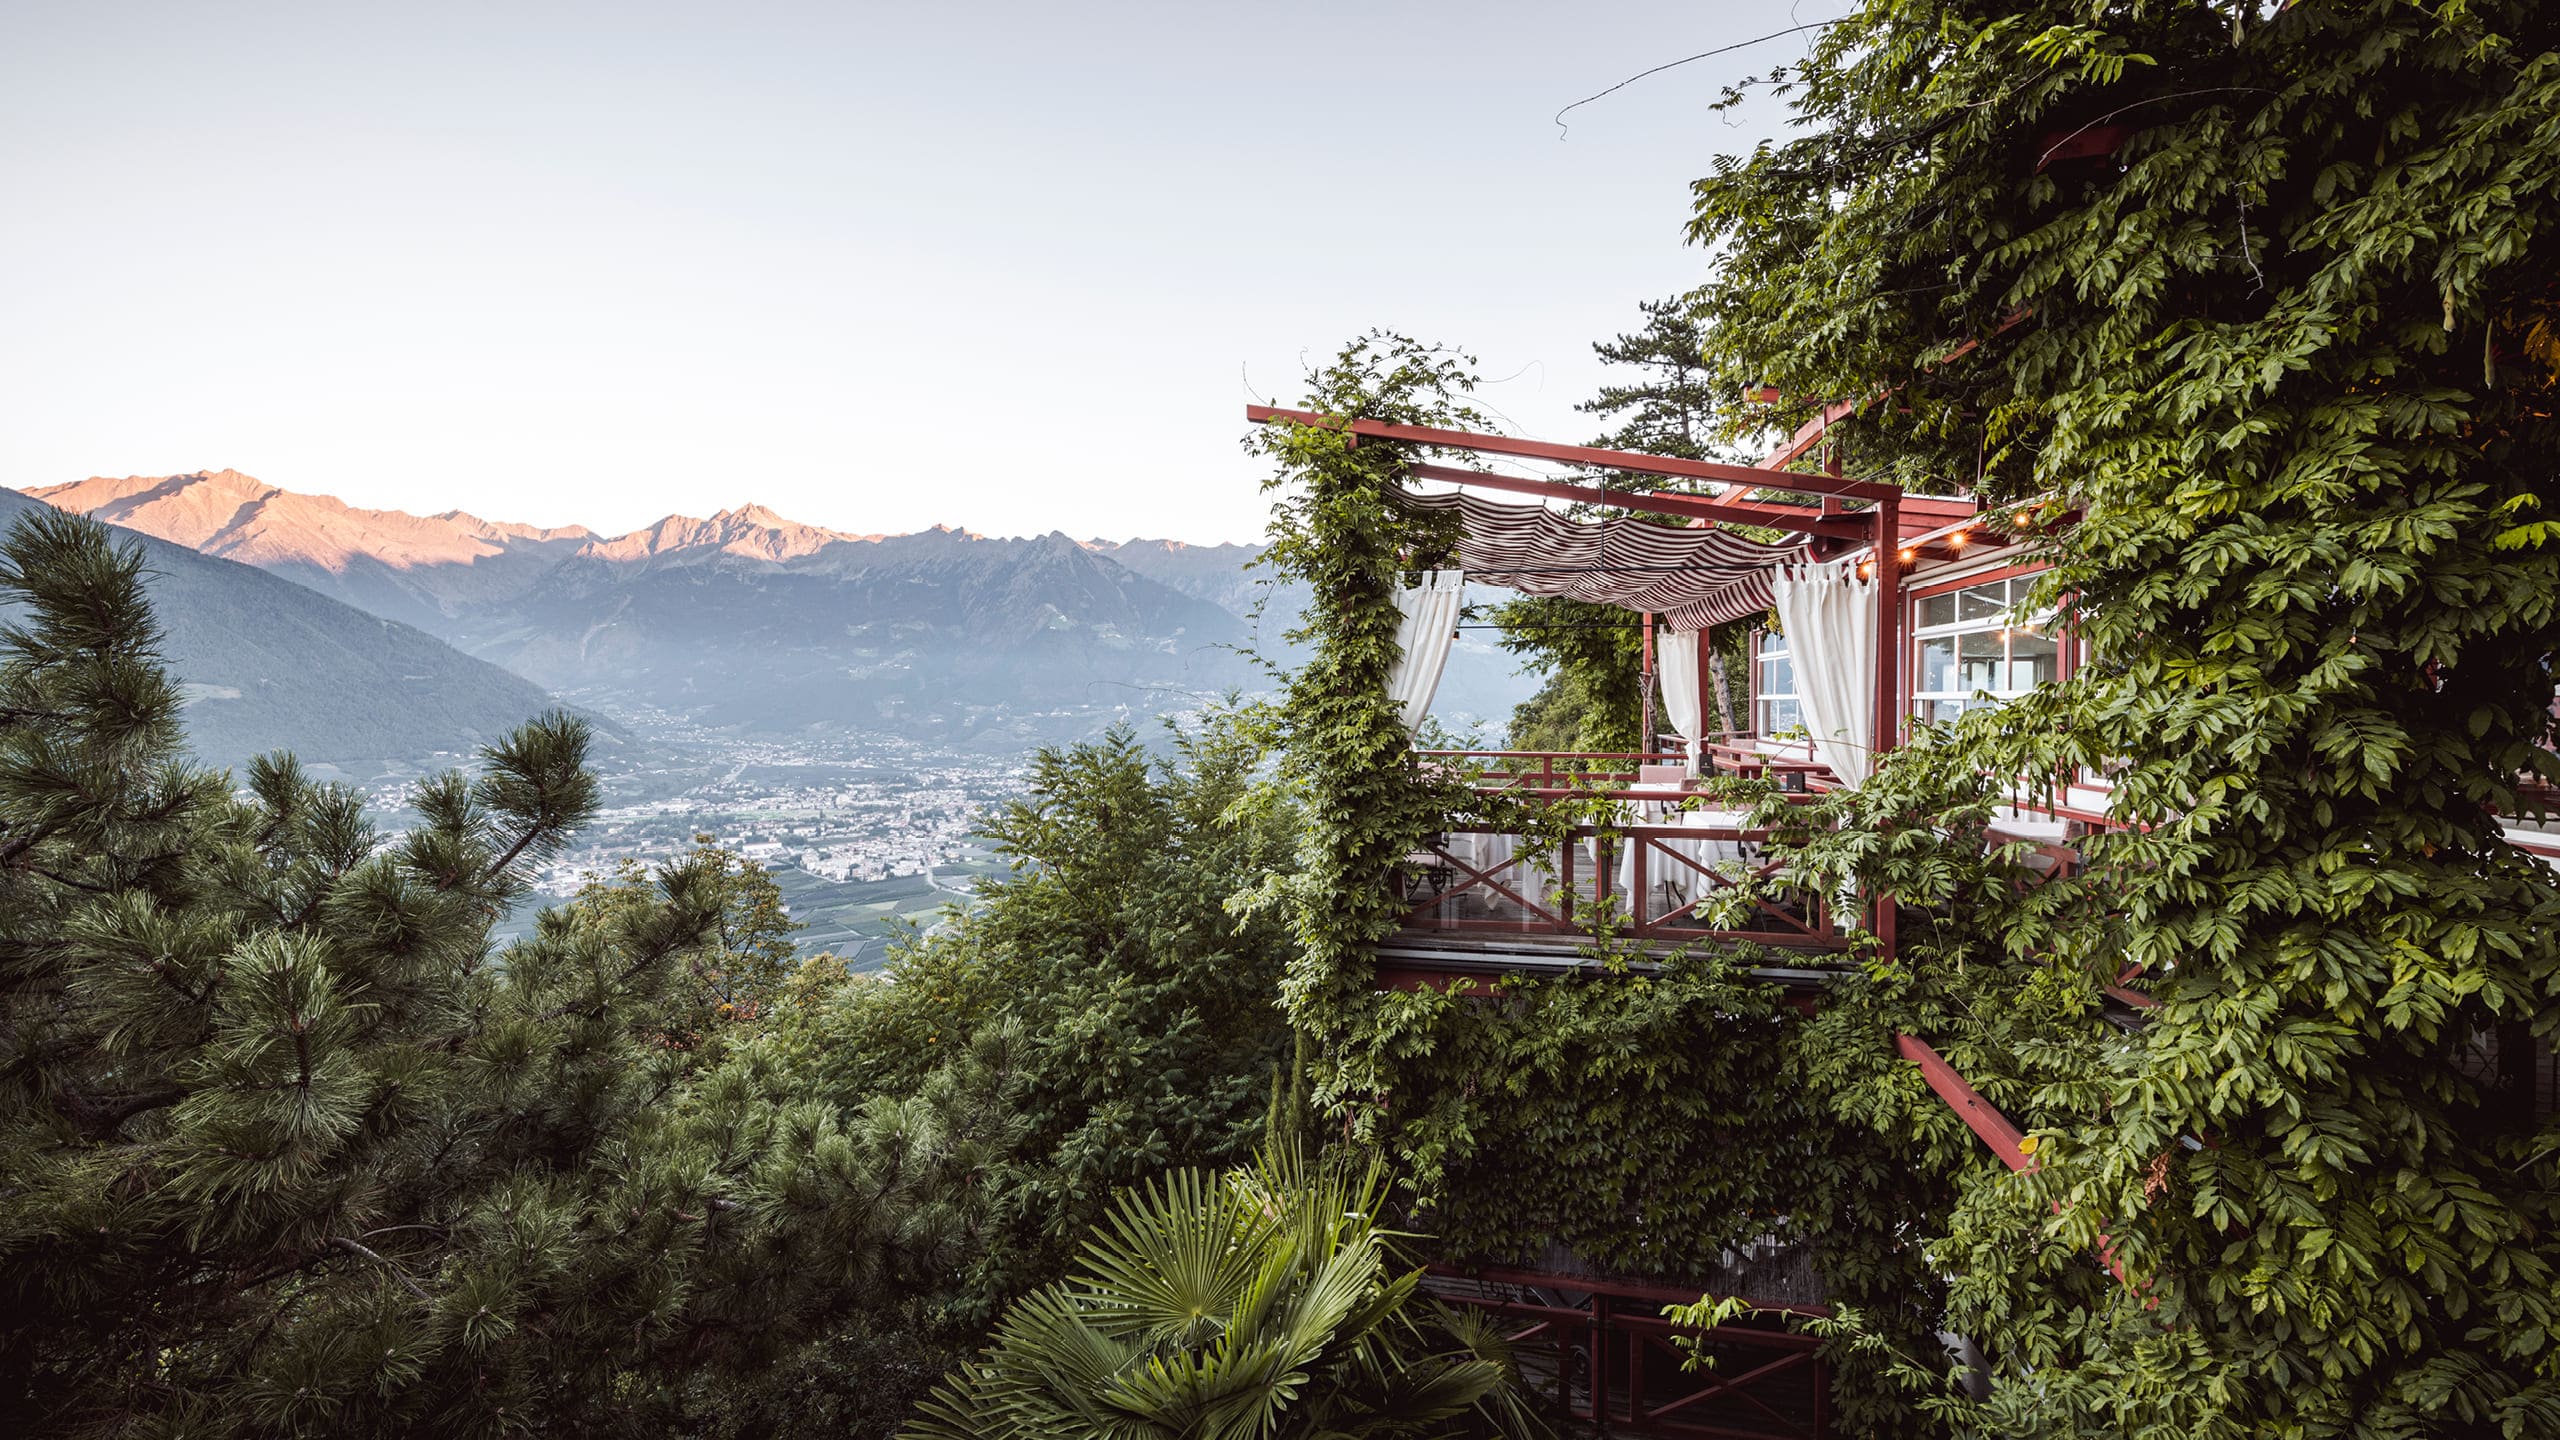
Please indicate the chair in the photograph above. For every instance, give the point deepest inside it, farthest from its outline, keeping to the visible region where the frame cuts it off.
(1653, 812)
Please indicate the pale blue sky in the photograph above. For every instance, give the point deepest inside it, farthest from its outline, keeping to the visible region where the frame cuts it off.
(1006, 267)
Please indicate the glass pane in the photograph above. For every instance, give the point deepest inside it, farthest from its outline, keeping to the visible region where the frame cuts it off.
(2034, 658)
(1778, 677)
(1938, 610)
(1938, 665)
(1978, 660)
(1772, 643)
(1778, 716)
(1943, 709)
(1983, 602)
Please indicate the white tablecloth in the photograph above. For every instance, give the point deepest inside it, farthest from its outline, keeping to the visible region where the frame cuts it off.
(1661, 869)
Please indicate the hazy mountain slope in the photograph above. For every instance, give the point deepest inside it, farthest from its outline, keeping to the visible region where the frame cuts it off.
(1482, 683)
(271, 665)
(419, 569)
(1215, 573)
(919, 632)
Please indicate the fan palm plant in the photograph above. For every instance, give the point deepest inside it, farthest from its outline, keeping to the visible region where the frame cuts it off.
(1260, 1304)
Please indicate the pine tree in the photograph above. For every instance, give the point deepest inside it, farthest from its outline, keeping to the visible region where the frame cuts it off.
(292, 1149)
(1593, 655)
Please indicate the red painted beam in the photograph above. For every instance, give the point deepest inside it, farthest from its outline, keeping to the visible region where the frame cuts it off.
(1707, 470)
(1810, 433)
(1976, 1112)
(1692, 507)
(2003, 1138)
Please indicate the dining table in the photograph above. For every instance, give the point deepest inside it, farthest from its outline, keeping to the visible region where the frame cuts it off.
(1673, 882)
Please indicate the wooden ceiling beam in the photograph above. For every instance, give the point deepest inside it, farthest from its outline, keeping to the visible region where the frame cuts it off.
(1710, 471)
(1657, 502)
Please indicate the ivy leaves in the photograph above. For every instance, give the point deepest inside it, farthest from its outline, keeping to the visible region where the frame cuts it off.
(2263, 361)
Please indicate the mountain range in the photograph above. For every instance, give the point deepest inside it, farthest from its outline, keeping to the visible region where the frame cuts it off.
(266, 664)
(746, 618)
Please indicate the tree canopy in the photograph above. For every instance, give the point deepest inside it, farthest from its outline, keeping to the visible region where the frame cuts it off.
(293, 1149)
(2248, 308)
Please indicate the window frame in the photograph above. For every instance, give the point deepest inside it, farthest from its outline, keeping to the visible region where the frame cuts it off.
(1919, 703)
(1761, 637)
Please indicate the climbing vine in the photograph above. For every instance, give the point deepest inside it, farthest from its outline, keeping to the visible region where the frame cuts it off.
(1338, 525)
(2253, 295)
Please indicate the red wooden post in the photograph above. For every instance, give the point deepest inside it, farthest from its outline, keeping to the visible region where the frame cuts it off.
(1600, 1360)
(1889, 646)
(1637, 878)
(1644, 689)
(1888, 730)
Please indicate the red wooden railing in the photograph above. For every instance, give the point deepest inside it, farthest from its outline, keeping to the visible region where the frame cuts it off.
(1636, 881)
(1551, 770)
(1601, 1351)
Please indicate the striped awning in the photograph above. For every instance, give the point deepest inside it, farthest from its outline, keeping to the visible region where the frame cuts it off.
(1692, 578)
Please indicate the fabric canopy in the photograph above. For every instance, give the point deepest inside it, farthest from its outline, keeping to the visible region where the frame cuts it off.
(1829, 616)
(1693, 578)
(1423, 638)
(1680, 693)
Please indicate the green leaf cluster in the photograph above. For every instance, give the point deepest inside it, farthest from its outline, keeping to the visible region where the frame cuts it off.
(2275, 352)
(1262, 1302)
(1104, 1009)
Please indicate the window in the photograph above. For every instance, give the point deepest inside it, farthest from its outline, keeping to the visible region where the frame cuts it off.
(1973, 641)
(1776, 708)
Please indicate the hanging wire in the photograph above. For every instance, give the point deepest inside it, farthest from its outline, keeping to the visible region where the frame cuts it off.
(1612, 570)
(1563, 625)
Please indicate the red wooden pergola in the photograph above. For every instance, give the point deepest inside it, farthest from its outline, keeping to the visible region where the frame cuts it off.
(1845, 515)
(1885, 519)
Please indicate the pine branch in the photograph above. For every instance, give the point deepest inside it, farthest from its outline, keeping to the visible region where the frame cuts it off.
(525, 841)
(97, 1119)
(352, 1247)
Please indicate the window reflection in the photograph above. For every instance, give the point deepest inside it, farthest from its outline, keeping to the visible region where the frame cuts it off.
(1777, 710)
(1972, 647)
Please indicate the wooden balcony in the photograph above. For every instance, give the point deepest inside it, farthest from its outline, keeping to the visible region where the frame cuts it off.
(1658, 882)
(1664, 875)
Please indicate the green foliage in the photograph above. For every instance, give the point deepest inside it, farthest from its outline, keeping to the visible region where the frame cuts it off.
(2277, 351)
(1103, 1005)
(289, 1151)
(1645, 1123)
(1642, 1122)
(1264, 1302)
(1670, 408)
(746, 968)
(1593, 658)
(1339, 525)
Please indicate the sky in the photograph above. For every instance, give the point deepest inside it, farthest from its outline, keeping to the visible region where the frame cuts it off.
(1008, 267)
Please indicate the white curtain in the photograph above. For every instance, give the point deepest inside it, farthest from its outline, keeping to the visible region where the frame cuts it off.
(1680, 693)
(1429, 628)
(1829, 616)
